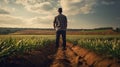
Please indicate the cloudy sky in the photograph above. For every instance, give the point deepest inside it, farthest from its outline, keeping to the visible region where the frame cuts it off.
(40, 13)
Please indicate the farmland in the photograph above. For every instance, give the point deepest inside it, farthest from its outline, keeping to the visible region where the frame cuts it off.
(28, 47)
(14, 49)
(39, 31)
(11, 46)
(110, 45)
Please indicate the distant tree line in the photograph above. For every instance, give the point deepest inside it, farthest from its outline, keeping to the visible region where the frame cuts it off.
(12, 30)
(117, 29)
(104, 28)
(8, 30)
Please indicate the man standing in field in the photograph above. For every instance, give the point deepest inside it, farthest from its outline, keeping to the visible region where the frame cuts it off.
(60, 24)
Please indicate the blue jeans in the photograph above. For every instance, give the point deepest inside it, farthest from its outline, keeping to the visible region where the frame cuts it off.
(63, 33)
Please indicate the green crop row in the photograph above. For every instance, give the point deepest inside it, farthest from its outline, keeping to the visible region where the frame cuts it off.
(16, 45)
(106, 46)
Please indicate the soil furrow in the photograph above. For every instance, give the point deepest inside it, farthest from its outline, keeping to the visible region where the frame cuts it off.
(49, 56)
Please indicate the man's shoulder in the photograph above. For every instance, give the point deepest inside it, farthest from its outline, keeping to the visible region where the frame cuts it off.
(61, 15)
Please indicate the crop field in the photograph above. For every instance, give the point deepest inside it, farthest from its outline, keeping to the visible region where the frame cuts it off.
(110, 45)
(39, 50)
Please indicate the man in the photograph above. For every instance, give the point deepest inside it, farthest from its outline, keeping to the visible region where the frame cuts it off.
(60, 24)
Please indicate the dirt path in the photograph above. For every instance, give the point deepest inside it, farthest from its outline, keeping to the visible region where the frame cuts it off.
(68, 58)
(75, 56)
(48, 56)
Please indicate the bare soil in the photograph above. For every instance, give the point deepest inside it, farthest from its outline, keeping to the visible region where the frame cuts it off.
(69, 32)
(49, 56)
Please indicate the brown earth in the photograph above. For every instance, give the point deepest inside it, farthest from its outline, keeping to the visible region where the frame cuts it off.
(49, 56)
(69, 32)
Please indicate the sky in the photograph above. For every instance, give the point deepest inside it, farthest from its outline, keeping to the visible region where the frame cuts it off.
(81, 14)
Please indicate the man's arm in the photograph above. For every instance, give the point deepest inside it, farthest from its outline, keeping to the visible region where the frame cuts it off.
(54, 23)
(66, 21)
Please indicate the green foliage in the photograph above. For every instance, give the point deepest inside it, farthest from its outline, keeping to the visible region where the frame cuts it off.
(108, 46)
(17, 45)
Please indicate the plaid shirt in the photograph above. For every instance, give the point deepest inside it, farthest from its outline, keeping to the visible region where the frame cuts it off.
(60, 22)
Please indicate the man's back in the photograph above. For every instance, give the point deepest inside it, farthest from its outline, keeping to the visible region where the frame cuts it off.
(61, 22)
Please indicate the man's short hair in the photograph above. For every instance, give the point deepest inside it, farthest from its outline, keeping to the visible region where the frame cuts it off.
(59, 9)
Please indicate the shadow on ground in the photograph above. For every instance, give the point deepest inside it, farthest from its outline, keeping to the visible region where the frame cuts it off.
(41, 57)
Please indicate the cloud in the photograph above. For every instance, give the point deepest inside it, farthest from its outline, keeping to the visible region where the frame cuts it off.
(47, 8)
(39, 20)
(43, 8)
(4, 11)
(6, 1)
(39, 6)
(35, 22)
(108, 2)
(10, 20)
(74, 7)
(71, 7)
(42, 22)
(43, 12)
